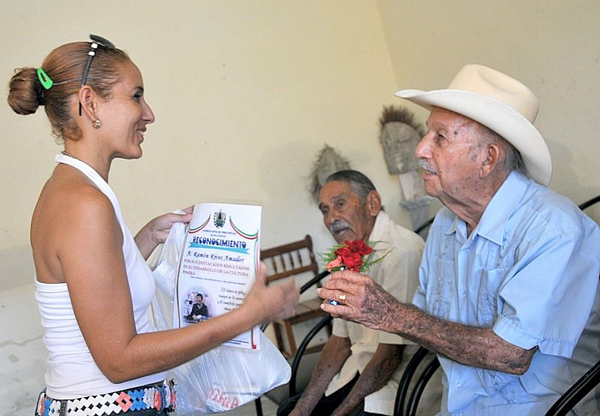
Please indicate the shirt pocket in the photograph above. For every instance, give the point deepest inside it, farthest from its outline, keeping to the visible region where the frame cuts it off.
(441, 292)
(488, 303)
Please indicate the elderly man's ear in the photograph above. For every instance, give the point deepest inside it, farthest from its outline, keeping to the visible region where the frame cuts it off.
(373, 203)
(490, 160)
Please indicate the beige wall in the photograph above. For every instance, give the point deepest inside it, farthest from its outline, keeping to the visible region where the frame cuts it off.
(550, 45)
(245, 95)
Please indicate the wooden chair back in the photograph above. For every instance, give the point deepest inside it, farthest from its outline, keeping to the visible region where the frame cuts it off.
(295, 260)
(290, 259)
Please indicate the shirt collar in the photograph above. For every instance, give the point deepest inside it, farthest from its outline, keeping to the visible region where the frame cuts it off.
(457, 227)
(503, 203)
(380, 232)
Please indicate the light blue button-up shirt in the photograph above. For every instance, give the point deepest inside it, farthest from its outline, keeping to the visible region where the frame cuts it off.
(530, 271)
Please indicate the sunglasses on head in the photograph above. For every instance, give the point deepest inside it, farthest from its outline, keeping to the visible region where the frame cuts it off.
(96, 40)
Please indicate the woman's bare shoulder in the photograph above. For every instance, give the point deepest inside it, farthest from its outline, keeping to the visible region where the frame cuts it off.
(69, 194)
(70, 211)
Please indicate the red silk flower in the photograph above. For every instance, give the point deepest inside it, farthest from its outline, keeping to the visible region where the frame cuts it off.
(349, 256)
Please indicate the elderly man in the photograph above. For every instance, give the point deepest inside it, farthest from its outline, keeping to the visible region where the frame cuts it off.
(359, 364)
(508, 294)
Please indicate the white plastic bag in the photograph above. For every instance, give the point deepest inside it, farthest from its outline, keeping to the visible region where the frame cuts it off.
(224, 377)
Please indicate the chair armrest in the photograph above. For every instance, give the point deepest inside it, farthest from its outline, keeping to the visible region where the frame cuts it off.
(314, 281)
(413, 403)
(300, 352)
(404, 384)
(577, 391)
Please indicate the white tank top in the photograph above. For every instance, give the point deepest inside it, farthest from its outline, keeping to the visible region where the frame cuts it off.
(72, 372)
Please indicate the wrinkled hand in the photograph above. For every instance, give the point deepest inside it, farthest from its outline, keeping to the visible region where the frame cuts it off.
(272, 302)
(365, 301)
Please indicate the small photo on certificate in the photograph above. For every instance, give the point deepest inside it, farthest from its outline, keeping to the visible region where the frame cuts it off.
(198, 306)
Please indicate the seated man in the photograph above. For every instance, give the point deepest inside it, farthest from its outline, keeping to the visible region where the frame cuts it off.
(508, 295)
(359, 365)
(199, 310)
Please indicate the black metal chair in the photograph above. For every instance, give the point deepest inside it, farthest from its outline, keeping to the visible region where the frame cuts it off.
(589, 380)
(406, 404)
(589, 203)
(418, 363)
(302, 348)
(423, 229)
(577, 392)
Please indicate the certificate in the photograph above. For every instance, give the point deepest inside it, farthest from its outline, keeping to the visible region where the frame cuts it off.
(218, 265)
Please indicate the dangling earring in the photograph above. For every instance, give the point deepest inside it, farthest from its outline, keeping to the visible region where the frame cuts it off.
(97, 124)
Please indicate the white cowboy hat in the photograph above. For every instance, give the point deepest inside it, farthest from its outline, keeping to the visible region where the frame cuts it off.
(500, 103)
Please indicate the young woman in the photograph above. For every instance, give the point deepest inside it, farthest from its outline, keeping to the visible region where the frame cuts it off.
(93, 285)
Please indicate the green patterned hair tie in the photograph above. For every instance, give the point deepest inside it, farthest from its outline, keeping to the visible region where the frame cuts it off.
(44, 79)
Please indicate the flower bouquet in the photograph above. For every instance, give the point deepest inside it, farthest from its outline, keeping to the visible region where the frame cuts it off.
(351, 256)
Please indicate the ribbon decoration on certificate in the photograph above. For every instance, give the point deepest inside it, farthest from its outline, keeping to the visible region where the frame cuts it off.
(218, 266)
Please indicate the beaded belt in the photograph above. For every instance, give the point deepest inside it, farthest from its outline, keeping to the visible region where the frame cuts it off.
(160, 396)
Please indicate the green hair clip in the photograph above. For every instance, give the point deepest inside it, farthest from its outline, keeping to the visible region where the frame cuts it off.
(44, 79)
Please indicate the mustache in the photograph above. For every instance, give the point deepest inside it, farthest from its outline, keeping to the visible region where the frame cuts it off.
(424, 164)
(338, 225)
